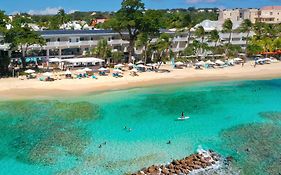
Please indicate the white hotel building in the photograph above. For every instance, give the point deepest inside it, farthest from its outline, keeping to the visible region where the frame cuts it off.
(73, 43)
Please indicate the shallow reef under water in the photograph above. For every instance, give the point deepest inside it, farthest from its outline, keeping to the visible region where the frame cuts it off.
(255, 147)
(44, 131)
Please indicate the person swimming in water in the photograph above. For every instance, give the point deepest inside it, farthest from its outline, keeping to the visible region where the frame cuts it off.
(169, 142)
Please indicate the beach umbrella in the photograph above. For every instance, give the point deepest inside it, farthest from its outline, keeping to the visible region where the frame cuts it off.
(238, 59)
(29, 71)
(201, 63)
(119, 65)
(47, 74)
(102, 69)
(219, 62)
(67, 72)
(179, 63)
(140, 62)
(130, 64)
(117, 71)
(80, 71)
(87, 69)
(210, 62)
(141, 66)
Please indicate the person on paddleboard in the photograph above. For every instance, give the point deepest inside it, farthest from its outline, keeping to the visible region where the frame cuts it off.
(182, 115)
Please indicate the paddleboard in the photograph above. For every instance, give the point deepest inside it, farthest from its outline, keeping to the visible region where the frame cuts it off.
(183, 118)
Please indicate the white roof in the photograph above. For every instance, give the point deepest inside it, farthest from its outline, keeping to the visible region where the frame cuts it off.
(84, 60)
(209, 25)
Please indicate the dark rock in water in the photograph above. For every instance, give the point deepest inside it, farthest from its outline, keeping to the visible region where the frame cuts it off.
(184, 166)
(229, 158)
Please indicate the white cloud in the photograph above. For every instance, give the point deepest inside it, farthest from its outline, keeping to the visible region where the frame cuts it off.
(200, 1)
(47, 11)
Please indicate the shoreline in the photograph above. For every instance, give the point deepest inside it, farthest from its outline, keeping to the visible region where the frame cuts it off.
(13, 88)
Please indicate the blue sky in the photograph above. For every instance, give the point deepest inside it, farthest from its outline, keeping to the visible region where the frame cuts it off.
(51, 6)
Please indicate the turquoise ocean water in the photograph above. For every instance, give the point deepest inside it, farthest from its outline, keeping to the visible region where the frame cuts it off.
(87, 134)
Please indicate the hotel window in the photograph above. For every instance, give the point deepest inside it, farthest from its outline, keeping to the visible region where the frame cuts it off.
(48, 40)
(92, 38)
(77, 40)
(58, 40)
(271, 13)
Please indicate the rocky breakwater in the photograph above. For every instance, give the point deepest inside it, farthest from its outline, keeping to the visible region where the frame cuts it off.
(198, 162)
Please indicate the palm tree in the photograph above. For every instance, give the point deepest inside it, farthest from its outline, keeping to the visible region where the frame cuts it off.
(200, 33)
(62, 16)
(102, 50)
(227, 27)
(143, 42)
(162, 48)
(246, 27)
(214, 37)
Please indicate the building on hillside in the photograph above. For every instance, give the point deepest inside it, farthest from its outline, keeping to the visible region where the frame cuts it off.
(95, 22)
(239, 14)
(270, 14)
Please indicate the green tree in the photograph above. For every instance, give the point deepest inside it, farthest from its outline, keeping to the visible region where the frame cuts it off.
(228, 28)
(3, 21)
(277, 44)
(246, 27)
(4, 59)
(62, 16)
(253, 49)
(21, 37)
(162, 48)
(129, 18)
(214, 37)
(103, 50)
(200, 33)
(117, 56)
(152, 19)
(233, 50)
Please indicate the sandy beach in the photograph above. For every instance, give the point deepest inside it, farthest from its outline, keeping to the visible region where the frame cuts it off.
(13, 88)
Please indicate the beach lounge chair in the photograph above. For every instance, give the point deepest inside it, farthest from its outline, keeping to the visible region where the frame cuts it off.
(94, 77)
